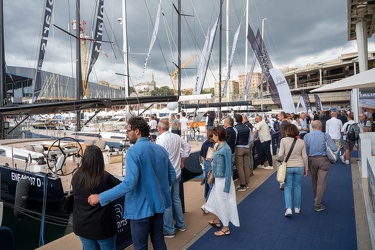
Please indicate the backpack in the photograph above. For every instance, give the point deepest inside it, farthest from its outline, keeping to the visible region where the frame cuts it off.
(353, 132)
(276, 126)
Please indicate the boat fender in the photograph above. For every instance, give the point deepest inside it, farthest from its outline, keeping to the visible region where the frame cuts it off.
(21, 197)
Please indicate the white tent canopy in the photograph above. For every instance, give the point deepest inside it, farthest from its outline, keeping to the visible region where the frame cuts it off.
(364, 79)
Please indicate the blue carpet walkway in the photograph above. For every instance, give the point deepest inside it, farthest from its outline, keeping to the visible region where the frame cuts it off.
(264, 226)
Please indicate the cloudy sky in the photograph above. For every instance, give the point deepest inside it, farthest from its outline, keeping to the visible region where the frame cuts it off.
(296, 33)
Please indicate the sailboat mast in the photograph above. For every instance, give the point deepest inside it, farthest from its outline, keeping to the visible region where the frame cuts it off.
(179, 50)
(79, 91)
(2, 69)
(227, 42)
(220, 38)
(125, 47)
(246, 43)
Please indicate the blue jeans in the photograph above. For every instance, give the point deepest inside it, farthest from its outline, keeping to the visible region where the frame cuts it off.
(174, 211)
(293, 178)
(207, 188)
(151, 225)
(106, 244)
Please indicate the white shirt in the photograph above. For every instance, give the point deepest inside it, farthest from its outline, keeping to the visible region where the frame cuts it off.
(176, 148)
(345, 129)
(153, 124)
(333, 128)
(263, 131)
(184, 123)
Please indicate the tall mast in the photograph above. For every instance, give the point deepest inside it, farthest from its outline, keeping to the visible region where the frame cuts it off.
(2, 70)
(79, 91)
(125, 47)
(246, 43)
(227, 42)
(220, 38)
(261, 82)
(179, 50)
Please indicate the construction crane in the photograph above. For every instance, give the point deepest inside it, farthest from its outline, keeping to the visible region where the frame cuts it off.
(175, 73)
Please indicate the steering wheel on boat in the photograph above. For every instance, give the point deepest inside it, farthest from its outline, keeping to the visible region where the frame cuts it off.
(58, 153)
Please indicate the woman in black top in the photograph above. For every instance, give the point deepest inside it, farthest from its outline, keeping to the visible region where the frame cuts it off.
(95, 225)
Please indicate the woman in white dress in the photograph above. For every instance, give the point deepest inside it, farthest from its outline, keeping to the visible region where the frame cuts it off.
(222, 200)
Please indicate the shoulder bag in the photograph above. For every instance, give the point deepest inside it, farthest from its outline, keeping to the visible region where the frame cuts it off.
(210, 178)
(332, 157)
(281, 171)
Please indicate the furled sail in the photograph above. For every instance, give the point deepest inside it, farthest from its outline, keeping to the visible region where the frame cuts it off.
(235, 39)
(153, 38)
(42, 48)
(97, 40)
(205, 58)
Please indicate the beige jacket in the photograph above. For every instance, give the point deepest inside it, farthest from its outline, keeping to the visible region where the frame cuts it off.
(298, 157)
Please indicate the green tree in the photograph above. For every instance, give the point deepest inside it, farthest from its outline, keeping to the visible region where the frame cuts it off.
(162, 91)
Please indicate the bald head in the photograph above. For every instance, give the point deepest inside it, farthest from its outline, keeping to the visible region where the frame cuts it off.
(316, 125)
(334, 114)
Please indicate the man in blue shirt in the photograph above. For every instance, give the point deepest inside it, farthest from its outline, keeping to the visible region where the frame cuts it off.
(318, 162)
(146, 186)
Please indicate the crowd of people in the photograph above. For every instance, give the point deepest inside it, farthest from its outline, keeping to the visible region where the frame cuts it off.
(153, 171)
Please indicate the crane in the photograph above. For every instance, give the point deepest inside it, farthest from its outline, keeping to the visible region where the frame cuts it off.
(175, 73)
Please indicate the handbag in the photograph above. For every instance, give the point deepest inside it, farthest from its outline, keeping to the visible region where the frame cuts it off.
(332, 156)
(210, 178)
(281, 171)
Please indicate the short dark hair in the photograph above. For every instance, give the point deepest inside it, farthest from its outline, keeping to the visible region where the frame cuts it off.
(221, 133)
(291, 130)
(238, 118)
(141, 124)
(231, 121)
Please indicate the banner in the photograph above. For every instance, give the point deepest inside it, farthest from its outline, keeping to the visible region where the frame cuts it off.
(283, 90)
(153, 38)
(262, 56)
(42, 48)
(305, 101)
(97, 46)
(235, 39)
(205, 58)
(318, 104)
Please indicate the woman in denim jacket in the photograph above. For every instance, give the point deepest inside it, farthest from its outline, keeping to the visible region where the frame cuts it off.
(222, 200)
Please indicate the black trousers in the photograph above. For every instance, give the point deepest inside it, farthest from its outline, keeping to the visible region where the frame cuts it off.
(267, 151)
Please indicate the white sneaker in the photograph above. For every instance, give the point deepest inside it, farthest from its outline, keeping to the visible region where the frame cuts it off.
(288, 212)
(347, 162)
(268, 167)
(297, 210)
(342, 159)
(203, 207)
(260, 166)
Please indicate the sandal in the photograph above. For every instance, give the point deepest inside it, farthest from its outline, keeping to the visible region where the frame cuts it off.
(222, 233)
(214, 224)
